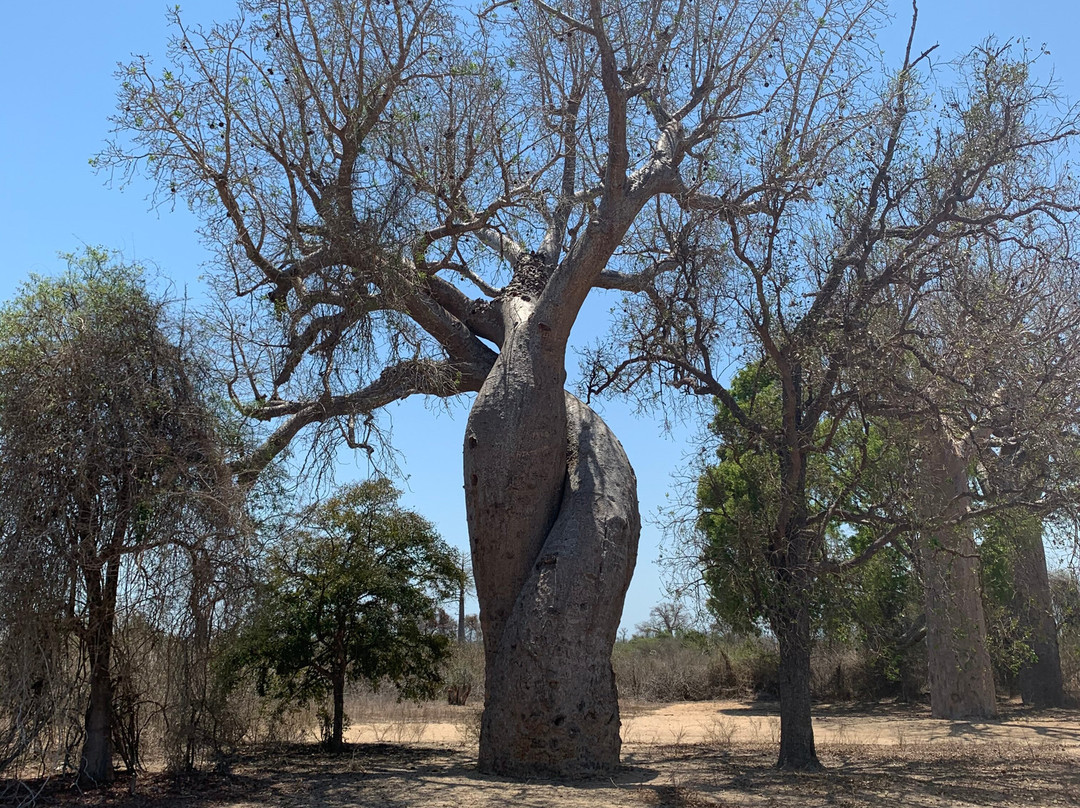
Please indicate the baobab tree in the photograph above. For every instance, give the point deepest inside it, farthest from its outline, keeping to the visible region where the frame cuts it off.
(411, 200)
(909, 197)
(994, 348)
(1040, 677)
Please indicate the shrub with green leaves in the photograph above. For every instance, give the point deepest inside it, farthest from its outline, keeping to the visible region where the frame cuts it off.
(352, 596)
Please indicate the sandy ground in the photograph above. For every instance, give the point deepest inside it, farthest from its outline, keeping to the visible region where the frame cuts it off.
(715, 723)
(699, 754)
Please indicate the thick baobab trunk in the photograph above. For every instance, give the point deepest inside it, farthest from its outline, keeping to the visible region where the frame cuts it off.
(792, 628)
(551, 707)
(553, 522)
(1040, 678)
(961, 678)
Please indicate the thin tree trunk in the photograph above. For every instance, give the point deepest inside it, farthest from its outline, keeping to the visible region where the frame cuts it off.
(96, 765)
(461, 605)
(961, 677)
(337, 739)
(194, 688)
(1040, 678)
(792, 628)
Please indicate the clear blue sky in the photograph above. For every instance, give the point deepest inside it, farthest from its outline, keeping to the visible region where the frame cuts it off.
(57, 60)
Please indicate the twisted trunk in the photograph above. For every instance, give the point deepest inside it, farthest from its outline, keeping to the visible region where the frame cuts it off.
(553, 523)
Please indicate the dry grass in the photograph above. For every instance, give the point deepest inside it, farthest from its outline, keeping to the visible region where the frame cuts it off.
(381, 718)
(1026, 759)
(401, 776)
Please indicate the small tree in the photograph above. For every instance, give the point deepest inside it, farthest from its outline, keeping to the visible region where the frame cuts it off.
(353, 597)
(739, 496)
(108, 451)
(666, 619)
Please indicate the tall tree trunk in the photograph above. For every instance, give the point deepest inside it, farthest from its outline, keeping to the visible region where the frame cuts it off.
(196, 670)
(461, 604)
(553, 521)
(96, 765)
(1040, 678)
(792, 628)
(790, 555)
(961, 678)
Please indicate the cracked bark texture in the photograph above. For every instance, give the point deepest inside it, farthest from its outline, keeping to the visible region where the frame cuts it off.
(554, 526)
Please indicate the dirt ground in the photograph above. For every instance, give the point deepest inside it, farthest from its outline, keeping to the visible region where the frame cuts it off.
(689, 754)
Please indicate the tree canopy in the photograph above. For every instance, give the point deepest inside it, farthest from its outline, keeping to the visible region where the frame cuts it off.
(351, 597)
(413, 199)
(108, 450)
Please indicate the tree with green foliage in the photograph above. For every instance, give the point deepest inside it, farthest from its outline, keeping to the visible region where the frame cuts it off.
(739, 498)
(881, 603)
(880, 211)
(351, 597)
(1018, 602)
(109, 451)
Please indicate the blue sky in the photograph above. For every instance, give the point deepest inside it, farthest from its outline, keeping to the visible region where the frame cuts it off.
(57, 61)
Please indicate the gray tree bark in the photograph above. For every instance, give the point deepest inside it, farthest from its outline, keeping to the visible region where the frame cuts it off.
(1040, 678)
(961, 678)
(554, 525)
(461, 614)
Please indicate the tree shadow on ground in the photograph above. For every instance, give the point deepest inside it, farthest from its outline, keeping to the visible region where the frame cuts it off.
(948, 773)
(954, 773)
